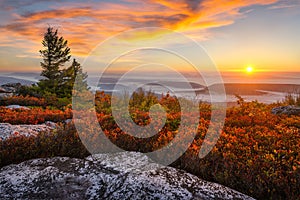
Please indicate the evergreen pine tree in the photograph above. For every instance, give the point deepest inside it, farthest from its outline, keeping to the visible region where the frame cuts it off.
(69, 75)
(55, 54)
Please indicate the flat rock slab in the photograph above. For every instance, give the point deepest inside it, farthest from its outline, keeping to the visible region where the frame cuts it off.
(7, 130)
(126, 175)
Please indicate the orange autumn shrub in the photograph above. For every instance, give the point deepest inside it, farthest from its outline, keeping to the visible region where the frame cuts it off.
(33, 116)
(23, 101)
(257, 154)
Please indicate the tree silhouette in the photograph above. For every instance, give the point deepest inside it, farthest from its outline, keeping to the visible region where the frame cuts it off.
(55, 54)
(58, 82)
(69, 75)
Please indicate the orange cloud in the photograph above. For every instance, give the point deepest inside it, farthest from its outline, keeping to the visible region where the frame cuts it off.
(88, 23)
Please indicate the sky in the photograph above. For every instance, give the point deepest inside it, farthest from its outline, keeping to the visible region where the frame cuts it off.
(263, 34)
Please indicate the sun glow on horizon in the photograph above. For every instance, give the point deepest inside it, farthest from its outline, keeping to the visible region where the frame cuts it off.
(249, 69)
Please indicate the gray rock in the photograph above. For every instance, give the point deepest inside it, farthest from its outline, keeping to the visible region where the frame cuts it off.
(68, 121)
(3, 90)
(7, 130)
(5, 95)
(10, 87)
(126, 175)
(17, 107)
(287, 110)
(51, 124)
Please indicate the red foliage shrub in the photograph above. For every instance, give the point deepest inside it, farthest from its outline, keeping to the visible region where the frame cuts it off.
(23, 101)
(33, 116)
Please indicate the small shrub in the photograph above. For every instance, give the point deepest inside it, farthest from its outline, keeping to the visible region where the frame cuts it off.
(32, 91)
(292, 99)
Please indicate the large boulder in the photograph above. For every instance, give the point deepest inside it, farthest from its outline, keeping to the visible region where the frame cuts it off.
(287, 110)
(126, 175)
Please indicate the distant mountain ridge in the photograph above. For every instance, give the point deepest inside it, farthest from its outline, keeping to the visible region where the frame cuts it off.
(25, 74)
(6, 80)
(256, 88)
(108, 84)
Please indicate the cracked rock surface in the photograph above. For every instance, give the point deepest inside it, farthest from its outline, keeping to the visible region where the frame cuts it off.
(125, 175)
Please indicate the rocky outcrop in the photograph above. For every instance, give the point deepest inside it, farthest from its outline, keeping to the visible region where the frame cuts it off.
(5, 95)
(9, 89)
(287, 110)
(7, 130)
(2, 90)
(17, 107)
(126, 175)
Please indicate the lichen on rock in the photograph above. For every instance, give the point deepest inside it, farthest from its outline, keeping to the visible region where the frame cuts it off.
(125, 175)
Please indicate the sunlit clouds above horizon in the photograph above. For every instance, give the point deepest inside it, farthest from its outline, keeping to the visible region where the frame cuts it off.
(264, 33)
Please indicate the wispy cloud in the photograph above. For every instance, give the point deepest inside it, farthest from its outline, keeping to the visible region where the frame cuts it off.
(283, 4)
(86, 23)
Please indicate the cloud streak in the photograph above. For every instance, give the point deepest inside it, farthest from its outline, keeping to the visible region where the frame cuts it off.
(285, 4)
(86, 23)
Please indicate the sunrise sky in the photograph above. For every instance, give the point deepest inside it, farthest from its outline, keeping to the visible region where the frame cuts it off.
(263, 34)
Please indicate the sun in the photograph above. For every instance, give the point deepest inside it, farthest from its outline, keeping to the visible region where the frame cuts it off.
(249, 69)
